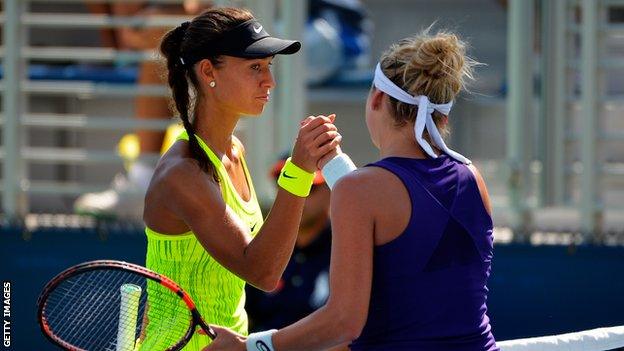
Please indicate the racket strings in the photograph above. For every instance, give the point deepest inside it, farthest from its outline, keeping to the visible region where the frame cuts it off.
(82, 310)
(91, 311)
(78, 300)
(109, 315)
(166, 319)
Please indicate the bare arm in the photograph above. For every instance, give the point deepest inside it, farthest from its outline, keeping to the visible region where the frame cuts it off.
(197, 201)
(343, 317)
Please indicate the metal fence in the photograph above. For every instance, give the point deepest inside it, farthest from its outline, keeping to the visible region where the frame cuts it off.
(18, 88)
(575, 68)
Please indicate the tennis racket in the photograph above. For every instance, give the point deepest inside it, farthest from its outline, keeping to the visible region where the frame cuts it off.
(117, 306)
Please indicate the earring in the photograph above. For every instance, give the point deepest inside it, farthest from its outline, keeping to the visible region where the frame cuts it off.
(212, 84)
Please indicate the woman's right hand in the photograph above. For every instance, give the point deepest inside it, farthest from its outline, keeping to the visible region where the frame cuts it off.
(317, 137)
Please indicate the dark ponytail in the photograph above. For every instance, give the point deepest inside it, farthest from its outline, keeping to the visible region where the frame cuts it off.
(178, 77)
(190, 40)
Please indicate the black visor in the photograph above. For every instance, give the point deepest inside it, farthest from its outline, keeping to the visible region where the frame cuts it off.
(247, 40)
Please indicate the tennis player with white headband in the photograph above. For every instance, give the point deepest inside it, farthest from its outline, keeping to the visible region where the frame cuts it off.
(412, 232)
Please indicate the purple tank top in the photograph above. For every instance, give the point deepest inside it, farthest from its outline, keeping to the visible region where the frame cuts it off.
(429, 284)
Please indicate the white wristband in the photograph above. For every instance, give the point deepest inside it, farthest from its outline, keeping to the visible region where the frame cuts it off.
(336, 168)
(260, 341)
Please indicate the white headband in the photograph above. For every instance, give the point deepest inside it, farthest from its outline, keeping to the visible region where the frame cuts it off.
(423, 119)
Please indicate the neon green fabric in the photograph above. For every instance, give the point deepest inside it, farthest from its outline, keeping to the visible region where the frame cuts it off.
(218, 293)
(295, 180)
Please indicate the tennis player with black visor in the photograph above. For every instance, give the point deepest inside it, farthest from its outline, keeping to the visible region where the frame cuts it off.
(204, 226)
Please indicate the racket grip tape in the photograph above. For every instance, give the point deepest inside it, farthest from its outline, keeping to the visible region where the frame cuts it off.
(128, 311)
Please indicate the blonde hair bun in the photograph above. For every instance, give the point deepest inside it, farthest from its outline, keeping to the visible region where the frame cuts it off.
(432, 65)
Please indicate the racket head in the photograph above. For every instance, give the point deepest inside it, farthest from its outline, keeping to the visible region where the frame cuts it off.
(82, 308)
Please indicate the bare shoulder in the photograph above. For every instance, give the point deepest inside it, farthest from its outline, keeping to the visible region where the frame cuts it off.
(478, 177)
(476, 172)
(178, 192)
(178, 179)
(375, 196)
(177, 174)
(485, 196)
(368, 185)
(354, 181)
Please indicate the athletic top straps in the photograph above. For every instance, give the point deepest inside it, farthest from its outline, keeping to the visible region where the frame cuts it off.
(218, 293)
(429, 283)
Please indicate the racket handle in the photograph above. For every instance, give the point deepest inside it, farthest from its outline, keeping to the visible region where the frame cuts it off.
(205, 327)
(128, 310)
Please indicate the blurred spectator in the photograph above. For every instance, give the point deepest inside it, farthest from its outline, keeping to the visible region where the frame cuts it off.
(350, 19)
(304, 286)
(337, 39)
(125, 196)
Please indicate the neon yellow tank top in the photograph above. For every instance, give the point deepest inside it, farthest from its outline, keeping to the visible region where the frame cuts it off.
(218, 293)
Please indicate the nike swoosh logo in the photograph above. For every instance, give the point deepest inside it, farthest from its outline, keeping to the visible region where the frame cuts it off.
(261, 346)
(257, 30)
(288, 176)
(253, 227)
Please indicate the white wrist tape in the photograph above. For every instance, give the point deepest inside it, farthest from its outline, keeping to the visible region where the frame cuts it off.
(260, 341)
(336, 168)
